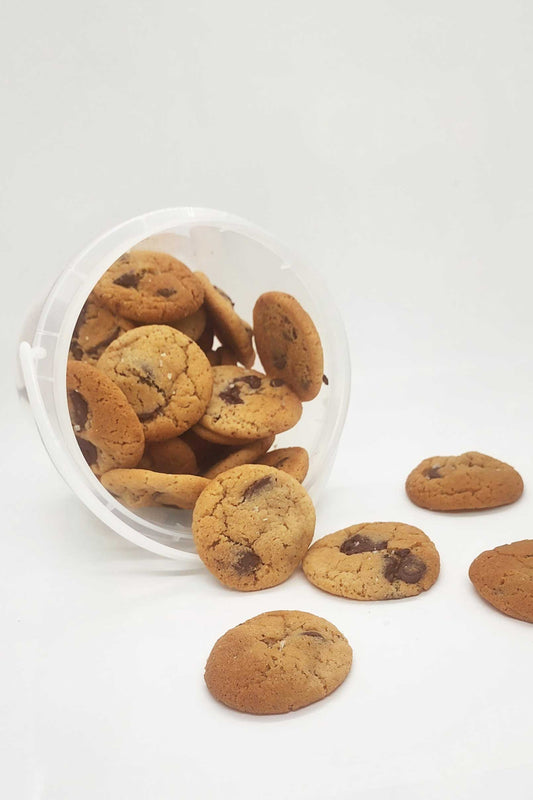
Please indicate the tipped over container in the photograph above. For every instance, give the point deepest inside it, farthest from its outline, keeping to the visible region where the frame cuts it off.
(243, 260)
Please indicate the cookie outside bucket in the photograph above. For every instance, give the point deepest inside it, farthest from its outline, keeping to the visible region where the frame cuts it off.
(239, 257)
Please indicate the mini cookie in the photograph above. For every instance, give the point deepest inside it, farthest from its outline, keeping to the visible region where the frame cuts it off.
(373, 561)
(249, 405)
(243, 455)
(97, 326)
(194, 325)
(106, 427)
(217, 438)
(504, 578)
(165, 376)
(150, 287)
(252, 526)
(173, 456)
(288, 343)
(232, 331)
(459, 483)
(294, 460)
(278, 662)
(137, 488)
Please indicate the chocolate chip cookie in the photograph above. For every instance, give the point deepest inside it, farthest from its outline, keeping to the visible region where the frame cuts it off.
(504, 578)
(461, 483)
(106, 427)
(137, 488)
(97, 326)
(147, 287)
(233, 332)
(165, 376)
(373, 561)
(252, 526)
(278, 662)
(294, 460)
(246, 404)
(288, 343)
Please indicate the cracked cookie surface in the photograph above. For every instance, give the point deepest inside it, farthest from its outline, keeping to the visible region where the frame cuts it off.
(96, 327)
(294, 460)
(165, 376)
(147, 286)
(232, 331)
(106, 427)
(278, 662)
(373, 561)
(504, 578)
(252, 526)
(288, 344)
(461, 483)
(246, 404)
(137, 488)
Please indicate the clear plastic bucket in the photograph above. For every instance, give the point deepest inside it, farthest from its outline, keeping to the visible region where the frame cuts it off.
(244, 261)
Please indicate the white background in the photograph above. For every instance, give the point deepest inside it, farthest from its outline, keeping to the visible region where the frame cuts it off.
(389, 144)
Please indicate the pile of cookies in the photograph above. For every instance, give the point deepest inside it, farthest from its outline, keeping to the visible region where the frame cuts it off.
(165, 417)
(157, 409)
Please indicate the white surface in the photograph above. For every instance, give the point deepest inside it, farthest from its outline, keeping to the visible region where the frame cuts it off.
(389, 144)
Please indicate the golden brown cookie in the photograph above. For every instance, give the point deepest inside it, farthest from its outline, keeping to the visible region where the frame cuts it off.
(373, 561)
(233, 332)
(288, 344)
(278, 662)
(240, 455)
(217, 438)
(460, 483)
(97, 326)
(147, 286)
(246, 404)
(106, 427)
(294, 460)
(165, 376)
(252, 526)
(173, 456)
(504, 578)
(137, 488)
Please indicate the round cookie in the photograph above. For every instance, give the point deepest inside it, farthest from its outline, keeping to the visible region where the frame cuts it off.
(242, 455)
(277, 662)
(461, 483)
(96, 327)
(233, 332)
(194, 325)
(173, 456)
(106, 427)
(150, 287)
(246, 404)
(288, 344)
(504, 578)
(138, 488)
(165, 376)
(252, 526)
(294, 460)
(373, 561)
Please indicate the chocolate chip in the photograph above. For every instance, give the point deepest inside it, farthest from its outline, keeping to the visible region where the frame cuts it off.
(325, 380)
(279, 360)
(147, 415)
(224, 295)
(129, 280)
(231, 396)
(90, 453)
(277, 382)
(166, 292)
(432, 472)
(255, 487)
(404, 566)
(247, 562)
(79, 410)
(76, 351)
(314, 634)
(253, 381)
(361, 544)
